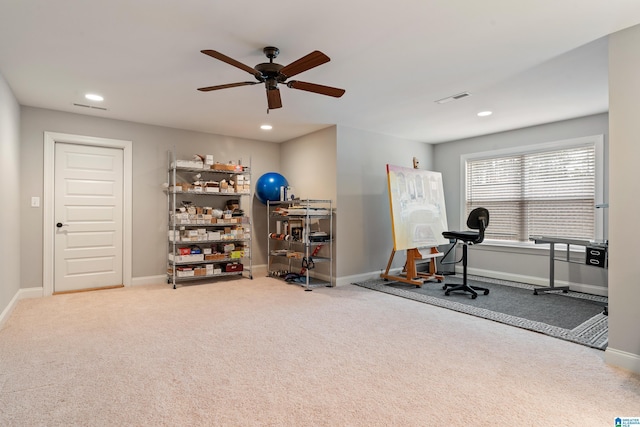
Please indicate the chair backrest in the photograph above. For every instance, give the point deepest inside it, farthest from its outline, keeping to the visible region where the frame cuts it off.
(478, 220)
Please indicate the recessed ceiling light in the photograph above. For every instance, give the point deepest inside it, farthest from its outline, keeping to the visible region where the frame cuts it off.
(485, 113)
(266, 127)
(94, 97)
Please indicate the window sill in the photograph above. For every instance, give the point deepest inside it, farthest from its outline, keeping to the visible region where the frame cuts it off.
(525, 248)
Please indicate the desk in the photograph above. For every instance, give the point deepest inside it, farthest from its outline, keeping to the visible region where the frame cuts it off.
(552, 241)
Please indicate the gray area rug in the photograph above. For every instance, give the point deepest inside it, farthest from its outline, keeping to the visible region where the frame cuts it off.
(572, 316)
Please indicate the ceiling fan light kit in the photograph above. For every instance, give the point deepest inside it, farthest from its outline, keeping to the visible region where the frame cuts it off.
(271, 74)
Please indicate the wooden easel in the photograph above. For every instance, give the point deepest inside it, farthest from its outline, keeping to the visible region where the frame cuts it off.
(410, 273)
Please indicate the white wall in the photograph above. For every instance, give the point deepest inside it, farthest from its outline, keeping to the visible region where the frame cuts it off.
(150, 146)
(10, 241)
(364, 240)
(624, 269)
(526, 265)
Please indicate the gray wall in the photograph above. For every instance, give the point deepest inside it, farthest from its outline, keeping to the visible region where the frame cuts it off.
(150, 146)
(10, 241)
(364, 240)
(624, 272)
(309, 164)
(511, 263)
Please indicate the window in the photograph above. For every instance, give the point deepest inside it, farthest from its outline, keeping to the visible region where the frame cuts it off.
(549, 190)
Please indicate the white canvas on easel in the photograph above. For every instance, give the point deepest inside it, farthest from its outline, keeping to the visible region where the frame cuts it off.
(418, 218)
(418, 214)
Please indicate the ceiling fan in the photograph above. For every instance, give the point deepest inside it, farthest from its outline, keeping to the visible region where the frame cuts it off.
(271, 74)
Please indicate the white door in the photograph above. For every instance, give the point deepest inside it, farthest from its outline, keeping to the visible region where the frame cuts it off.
(88, 214)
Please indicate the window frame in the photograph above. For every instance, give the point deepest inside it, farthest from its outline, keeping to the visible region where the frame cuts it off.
(597, 141)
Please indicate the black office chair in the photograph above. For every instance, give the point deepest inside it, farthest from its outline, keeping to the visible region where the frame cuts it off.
(478, 220)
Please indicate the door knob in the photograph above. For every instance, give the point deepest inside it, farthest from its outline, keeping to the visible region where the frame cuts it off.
(60, 225)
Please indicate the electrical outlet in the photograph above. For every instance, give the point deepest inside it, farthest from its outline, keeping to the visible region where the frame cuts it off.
(35, 202)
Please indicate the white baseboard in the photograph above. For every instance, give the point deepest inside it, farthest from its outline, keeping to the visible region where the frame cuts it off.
(23, 293)
(259, 270)
(531, 280)
(622, 359)
(535, 280)
(149, 280)
(347, 280)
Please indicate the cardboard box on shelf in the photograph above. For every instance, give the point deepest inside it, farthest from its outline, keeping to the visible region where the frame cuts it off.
(185, 272)
(195, 164)
(237, 254)
(186, 258)
(223, 167)
(233, 267)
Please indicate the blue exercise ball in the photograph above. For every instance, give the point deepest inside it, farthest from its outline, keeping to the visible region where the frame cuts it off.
(268, 187)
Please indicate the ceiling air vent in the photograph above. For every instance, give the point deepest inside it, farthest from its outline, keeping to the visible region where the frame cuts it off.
(453, 98)
(90, 106)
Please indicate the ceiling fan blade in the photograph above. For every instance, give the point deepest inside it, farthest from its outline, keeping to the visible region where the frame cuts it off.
(315, 88)
(210, 88)
(273, 99)
(224, 58)
(305, 63)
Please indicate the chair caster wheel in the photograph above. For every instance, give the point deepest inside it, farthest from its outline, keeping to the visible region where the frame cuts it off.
(474, 296)
(447, 293)
(444, 287)
(564, 291)
(486, 292)
(535, 292)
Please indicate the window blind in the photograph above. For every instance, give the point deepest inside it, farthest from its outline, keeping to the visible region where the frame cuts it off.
(549, 193)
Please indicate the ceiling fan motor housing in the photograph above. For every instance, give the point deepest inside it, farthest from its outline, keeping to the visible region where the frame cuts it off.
(269, 70)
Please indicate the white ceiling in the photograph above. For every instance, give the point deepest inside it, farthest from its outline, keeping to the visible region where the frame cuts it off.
(530, 62)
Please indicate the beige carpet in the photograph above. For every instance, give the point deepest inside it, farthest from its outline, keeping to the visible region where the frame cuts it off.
(261, 352)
